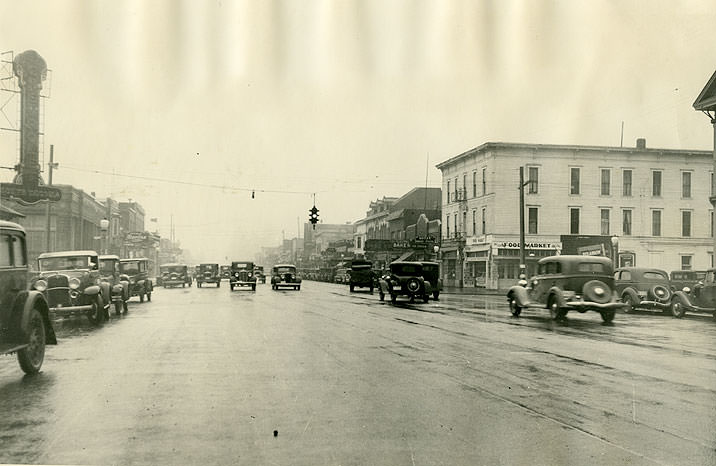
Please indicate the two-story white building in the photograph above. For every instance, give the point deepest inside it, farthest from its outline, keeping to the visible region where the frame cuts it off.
(650, 206)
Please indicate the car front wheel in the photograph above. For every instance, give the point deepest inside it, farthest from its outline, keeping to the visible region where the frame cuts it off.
(96, 314)
(677, 308)
(629, 301)
(30, 357)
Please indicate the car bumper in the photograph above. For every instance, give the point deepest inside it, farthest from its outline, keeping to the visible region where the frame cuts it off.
(583, 306)
(242, 283)
(172, 282)
(653, 305)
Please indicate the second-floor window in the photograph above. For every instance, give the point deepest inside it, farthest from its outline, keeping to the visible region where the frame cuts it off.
(447, 226)
(686, 185)
(626, 222)
(484, 220)
(574, 221)
(484, 181)
(574, 180)
(655, 223)
(448, 192)
(626, 183)
(604, 220)
(457, 228)
(533, 178)
(474, 222)
(686, 223)
(606, 181)
(532, 219)
(474, 184)
(656, 183)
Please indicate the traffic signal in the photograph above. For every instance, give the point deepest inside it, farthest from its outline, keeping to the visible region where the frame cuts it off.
(313, 216)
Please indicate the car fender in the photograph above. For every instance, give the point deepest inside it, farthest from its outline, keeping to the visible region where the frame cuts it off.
(558, 294)
(25, 302)
(632, 294)
(519, 294)
(118, 289)
(91, 290)
(684, 298)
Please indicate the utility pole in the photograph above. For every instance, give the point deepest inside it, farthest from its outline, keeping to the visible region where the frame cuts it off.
(52, 165)
(523, 267)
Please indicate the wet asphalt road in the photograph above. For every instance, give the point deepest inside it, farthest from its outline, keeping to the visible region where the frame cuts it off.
(206, 376)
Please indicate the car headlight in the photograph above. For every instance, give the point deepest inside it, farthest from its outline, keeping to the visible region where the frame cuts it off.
(74, 283)
(41, 285)
(686, 289)
(250, 275)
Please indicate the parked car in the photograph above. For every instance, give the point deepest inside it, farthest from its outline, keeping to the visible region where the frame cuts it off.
(208, 273)
(566, 283)
(700, 298)
(259, 272)
(361, 275)
(431, 273)
(685, 278)
(70, 281)
(110, 272)
(341, 275)
(405, 278)
(137, 272)
(643, 288)
(242, 274)
(285, 276)
(174, 275)
(225, 272)
(24, 314)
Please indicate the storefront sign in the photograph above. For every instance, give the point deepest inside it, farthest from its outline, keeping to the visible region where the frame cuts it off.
(534, 245)
(592, 250)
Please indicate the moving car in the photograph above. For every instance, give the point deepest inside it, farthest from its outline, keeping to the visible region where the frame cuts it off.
(285, 276)
(259, 272)
(24, 315)
(225, 272)
(174, 275)
(137, 272)
(700, 298)
(643, 288)
(566, 283)
(208, 273)
(405, 278)
(361, 275)
(242, 274)
(70, 281)
(110, 272)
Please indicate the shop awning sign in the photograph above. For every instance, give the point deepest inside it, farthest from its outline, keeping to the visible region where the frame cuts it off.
(533, 245)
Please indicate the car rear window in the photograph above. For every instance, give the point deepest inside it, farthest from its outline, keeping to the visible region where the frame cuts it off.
(655, 276)
(591, 267)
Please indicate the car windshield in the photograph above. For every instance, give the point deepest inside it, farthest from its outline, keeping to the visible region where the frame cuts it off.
(285, 269)
(130, 268)
(406, 269)
(591, 267)
(65, 263)
(208, 267)
(173, 269)
(106, 267)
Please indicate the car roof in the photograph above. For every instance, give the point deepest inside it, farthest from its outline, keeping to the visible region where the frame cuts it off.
(406, 263)
(173, 264)
(569, 258)
(640, 269)
(46, 255)
(108, 256)
(127, 259)
(284, 265)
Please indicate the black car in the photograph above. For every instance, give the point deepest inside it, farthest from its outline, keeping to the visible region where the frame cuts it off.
(137, 272)
(643, 288)
(405, 278)
(174, 275)
(242, 274)
(361, 275)
(26, 325)
(207, 273)
(70, 281)
(110, 272)
(431, 273)
(700, 298)
(285, 276)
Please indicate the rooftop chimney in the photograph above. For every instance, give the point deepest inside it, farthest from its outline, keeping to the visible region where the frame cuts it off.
(641, 144)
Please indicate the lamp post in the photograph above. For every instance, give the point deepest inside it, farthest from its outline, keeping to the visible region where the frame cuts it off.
(436, 251)
(615, 251)
(104, 227)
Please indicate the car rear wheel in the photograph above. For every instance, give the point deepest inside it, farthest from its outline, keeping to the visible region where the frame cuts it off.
(677, 308)
(629, 301)
(515, 309)
(555, 311)
(30, 357)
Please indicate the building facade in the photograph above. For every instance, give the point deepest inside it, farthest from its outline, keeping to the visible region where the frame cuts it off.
(649, 207)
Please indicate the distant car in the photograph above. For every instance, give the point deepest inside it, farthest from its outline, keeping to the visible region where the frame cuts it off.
(700, 298)
(137, 271)
(431, 273)
(341, 275)
(260, 275)
(110, 272)
(70, 281)
(685, 278)
(26, 326)
(225, 272)
(405, 278)
(643, 288)
(361, 275)
(565, 283)
(208, 273)
(285, 276)
(174, 275)
(242, 274)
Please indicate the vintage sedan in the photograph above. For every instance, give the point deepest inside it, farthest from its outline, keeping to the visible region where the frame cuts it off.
(110, 272)
(285, 276)
(643, 288)
(405, 278)
(568, 283)
(361, 275)
(137, 272)
(242, 274)
(174, 275)
(260, 275)
(24, 314)
(225, 272)
(70, 281)
(701, 298)
(208, 273)
(681, 279)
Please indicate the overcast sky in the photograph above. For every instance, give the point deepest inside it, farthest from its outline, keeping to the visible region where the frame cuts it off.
(350, 100)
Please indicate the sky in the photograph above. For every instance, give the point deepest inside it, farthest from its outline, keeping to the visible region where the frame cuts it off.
(188, 107)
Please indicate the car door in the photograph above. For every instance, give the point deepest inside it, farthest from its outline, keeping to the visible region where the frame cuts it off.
(540, 283)
(707, 297)
(13, 275)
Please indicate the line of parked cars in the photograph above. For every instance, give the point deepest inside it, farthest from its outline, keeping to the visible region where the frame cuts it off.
(67, 283)
(587, 283)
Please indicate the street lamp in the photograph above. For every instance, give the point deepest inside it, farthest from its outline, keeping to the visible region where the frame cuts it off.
(104, 226)
(615, 250)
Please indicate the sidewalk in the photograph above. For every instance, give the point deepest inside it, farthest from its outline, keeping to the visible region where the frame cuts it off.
(472, 290)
